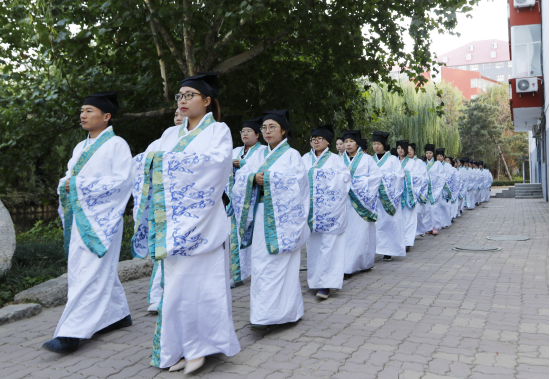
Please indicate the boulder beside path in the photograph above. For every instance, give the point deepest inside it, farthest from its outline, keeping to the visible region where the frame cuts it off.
(7, 238)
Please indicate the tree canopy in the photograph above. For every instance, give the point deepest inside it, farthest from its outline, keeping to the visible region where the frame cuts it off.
(300, 54)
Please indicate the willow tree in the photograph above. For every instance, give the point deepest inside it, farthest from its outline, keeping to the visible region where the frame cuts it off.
(415, 115)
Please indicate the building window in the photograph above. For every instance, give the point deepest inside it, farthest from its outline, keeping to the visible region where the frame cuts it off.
(471, 48)
(493, 54)
(468, 57)
(474, 67)
(473, 97)
(509, 76)
(499, 64)
(509, 63)
(473, 83)
(526, 50)
(444, 59)
(461, 67)
(494, 45)
(487, 66)
(500, 78)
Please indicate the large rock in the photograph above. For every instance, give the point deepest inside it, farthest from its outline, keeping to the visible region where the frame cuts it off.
(16, 312)
(7, 238)
(54, 292)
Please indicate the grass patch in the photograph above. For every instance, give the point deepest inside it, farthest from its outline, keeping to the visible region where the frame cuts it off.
(39, 257)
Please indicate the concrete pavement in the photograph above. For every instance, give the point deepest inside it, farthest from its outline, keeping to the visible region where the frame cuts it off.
(436, 313)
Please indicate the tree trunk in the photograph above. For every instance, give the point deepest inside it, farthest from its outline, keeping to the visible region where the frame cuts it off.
(188, 37)
(498, 172)
(160, 53)
(505, 164)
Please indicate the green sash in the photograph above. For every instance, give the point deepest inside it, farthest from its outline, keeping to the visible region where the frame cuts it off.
(319, 164)
(384, 199)
(71, 204)
(269, 217)
(233, 240)
(407, 197)
(345, 157)
(363, 212)
(430, 192)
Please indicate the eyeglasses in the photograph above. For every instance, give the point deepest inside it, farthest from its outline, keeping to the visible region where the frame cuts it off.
(318, 139)
(187, 95)
(247, 131)
(271, 128)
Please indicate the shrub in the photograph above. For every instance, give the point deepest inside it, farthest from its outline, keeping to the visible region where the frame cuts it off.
(507, 182)
(39, 257)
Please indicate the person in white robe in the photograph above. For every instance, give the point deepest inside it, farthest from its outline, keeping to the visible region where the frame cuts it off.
(362, 213)
(240, 258)
(93, 195)
(488, 183)
(329, 184)
(390, 234)
(420, 181)
(470, 196)
(454, 187)
(408, 198)
(462, 189)
(271, 204)
(436, 182)
(341, 147)
(154, 293)
(181, 221)
(444, 214)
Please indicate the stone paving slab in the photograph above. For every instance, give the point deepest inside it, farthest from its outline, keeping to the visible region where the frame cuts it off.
(436, 313)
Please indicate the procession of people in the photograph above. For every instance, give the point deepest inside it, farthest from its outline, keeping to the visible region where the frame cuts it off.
(210, 216)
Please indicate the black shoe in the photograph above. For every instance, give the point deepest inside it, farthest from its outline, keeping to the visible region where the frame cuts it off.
(260, 328)
(238, 284)
(387, 258)
(347, 276)
(126, 321)
(62, 345)
(407, 249)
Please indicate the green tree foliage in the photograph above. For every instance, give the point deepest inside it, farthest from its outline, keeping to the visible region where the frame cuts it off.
(300, 54)
(487, 132)
(413, 115)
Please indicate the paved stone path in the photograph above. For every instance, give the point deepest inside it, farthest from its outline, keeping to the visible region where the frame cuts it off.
(437, 313)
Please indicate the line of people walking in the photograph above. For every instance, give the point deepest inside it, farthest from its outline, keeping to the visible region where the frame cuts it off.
(210, 216)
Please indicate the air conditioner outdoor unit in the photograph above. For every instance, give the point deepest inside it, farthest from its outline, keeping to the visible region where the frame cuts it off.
(524, 3)
(527, 85)
(536, 130)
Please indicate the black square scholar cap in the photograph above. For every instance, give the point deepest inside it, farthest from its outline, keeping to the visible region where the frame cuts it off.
(105, 101)
(204, 82)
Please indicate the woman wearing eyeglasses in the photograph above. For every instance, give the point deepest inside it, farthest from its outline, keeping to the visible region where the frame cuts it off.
(240, 258)
(182, 223)
(271, 203)
(329, 182)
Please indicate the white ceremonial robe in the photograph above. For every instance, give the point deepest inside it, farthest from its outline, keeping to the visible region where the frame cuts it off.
(326, 246)
(437, 176)
(445, 203)
(421, 180)
(244, 263)
(478, 185)
(470, 200)
(275, 291)
(95, 297)
(195, 317)
(390, 235)
(360, 235)
(410, 217)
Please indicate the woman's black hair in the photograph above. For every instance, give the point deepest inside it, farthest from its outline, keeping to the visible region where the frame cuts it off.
(214, 107)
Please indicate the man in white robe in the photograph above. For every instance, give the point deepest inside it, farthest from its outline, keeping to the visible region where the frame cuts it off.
(488, 183)
(272, 218)
(444, 214)
(329, 183)
(181, 221)
(240, 258)
(390, 234)
(408, 198)
(437, 175)
(360, 234)
(93, 195)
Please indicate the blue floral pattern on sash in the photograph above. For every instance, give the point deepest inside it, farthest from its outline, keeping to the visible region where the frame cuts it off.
(363, 194)
(383, 190)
